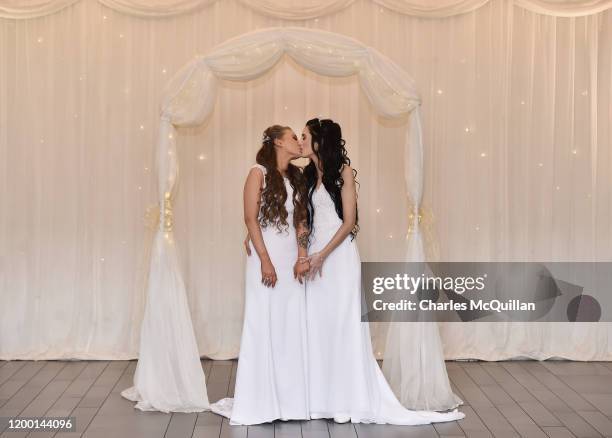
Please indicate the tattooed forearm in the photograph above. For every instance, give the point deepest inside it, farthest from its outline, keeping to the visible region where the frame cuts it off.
(303, 239)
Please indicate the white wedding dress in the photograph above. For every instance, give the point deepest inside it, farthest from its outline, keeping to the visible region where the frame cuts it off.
(271, 378)
(344, 377)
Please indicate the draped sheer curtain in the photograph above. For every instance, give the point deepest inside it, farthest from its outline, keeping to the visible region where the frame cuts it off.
(516, 110)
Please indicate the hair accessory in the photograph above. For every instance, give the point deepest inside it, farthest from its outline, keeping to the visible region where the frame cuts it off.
(266, 138)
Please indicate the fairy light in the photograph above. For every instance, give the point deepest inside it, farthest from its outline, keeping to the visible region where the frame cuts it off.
(202, 157)
(483, 154)
(439, 91)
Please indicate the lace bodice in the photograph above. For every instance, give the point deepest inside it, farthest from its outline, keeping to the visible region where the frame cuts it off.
(325, 215)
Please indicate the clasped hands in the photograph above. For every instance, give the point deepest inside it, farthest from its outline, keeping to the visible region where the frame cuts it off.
(304, 267)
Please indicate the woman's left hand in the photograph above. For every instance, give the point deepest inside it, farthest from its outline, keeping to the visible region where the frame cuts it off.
(316, 265)
(300, 270)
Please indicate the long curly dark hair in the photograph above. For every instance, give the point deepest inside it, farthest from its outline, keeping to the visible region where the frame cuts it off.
(272, 210)
(332, 157)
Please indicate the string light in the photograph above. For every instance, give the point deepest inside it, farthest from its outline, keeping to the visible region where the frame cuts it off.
(558, 188)
(477, 228)
(202, 157)
(378, 210)
(40, 39)
(102, 259)
(104, 17)
(142, 127)
(483, 154)
(146, 169)
(439, 91)
(139, 187)
(575, 151)
(120, 35)
(541, 164)
(164, 71)
(522, 102)
(467, 129)
(42, 140)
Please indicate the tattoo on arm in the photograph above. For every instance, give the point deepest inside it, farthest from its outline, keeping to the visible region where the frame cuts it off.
(303, 239)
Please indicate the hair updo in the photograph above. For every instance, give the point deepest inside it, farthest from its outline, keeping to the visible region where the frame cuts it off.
(274, 195)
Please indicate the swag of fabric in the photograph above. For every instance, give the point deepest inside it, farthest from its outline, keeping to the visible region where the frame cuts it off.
(304, 9)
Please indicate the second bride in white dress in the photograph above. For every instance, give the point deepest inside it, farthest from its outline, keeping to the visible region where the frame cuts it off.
(345, 382)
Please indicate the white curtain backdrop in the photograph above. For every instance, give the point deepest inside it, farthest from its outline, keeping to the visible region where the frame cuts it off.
(516, 110)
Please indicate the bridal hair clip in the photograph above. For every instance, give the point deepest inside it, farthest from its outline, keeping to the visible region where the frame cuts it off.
(266, 138)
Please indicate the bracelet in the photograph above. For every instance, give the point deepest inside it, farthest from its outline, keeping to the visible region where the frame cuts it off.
(302, 259)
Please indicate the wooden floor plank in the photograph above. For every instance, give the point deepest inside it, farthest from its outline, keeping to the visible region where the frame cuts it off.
(287, 429)
(346, 430)
(315, 429)
(30, 390)
(472, 425)
(503, 399)
(558, 387)
(182, 425)
(228, 431)
(17, 381)
(558, 432)
(9, 369)
(488, 413)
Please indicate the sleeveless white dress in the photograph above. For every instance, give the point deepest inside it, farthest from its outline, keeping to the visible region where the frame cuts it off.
(344, 377)
(271, 377)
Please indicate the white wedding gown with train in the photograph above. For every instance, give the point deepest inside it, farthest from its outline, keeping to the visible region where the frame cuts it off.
(344, 377)
(271, 377)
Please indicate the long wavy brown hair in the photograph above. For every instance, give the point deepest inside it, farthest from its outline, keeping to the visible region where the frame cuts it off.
(274, 195)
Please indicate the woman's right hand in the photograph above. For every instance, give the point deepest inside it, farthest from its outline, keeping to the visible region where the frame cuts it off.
(268, 273)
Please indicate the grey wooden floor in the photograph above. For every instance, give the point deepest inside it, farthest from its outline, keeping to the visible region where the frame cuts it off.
(502, 399)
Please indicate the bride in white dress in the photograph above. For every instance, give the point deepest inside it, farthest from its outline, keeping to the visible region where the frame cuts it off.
(271, 380)
(345, 382)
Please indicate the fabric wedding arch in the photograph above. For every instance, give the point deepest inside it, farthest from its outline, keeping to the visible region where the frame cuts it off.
(187, 100)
